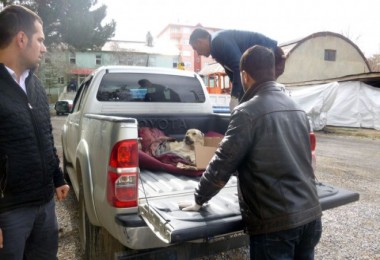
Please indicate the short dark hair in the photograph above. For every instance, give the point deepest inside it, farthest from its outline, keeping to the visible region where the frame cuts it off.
(16, 18)
(198, 33)
(258, 61)
(144, 82)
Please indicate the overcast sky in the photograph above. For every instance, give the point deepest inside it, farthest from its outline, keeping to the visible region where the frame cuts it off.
(282, 20)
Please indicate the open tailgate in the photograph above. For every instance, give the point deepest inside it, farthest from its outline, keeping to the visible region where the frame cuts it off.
(220, 216)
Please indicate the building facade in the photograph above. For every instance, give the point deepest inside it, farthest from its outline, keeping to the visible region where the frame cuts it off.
(179, 35)
(321, 56)
(62, 67)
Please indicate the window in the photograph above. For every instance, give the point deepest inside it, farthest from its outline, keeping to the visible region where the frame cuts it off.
(152, 61)
(72, 58)
(139, 87)
(141, 61)
(80, 95)
(174, 29)
(330, 55)
(61, 80)
(130, 60)
(186, 53)
(98, 59)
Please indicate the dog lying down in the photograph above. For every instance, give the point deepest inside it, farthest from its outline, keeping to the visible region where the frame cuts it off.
(184, 148)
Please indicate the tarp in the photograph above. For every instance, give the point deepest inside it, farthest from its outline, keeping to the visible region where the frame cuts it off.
(346, 104)
(212, 68)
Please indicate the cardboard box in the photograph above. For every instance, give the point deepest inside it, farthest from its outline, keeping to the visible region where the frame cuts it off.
(203, 154)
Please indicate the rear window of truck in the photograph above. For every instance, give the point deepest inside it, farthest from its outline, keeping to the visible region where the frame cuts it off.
(138, 87)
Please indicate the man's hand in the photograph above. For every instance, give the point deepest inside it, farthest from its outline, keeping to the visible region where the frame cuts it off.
(1, 238)
(188, 206)
(62, 192)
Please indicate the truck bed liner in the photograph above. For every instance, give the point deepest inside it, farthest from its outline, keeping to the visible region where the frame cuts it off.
(220, 216)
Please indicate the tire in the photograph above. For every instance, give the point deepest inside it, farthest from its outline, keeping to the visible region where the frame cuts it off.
(82, 220)
(87, 232)
(96, 242)
(64, 166)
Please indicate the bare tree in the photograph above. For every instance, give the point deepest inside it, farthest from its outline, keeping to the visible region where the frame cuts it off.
(374, 63)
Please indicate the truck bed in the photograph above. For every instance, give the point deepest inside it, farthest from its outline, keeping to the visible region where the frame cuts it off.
(160, 193)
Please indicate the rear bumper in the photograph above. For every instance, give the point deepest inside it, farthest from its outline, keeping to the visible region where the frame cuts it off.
(133, 233)
(145, 244)
(191, 250)
(130, 220)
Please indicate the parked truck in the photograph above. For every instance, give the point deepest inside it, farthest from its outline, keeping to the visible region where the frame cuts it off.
(128, 210)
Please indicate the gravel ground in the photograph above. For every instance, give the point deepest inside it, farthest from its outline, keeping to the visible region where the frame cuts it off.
(349, 232)
(69, 243)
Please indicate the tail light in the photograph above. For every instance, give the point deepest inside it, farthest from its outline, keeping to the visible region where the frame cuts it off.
(313, 141)
(122, 186)
(313, 144)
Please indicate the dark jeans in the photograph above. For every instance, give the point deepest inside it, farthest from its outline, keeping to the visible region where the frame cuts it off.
(296, 243)
(30, 233)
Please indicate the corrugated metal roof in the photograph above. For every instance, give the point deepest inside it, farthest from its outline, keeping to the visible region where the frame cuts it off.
(290, 46)
(212, 68)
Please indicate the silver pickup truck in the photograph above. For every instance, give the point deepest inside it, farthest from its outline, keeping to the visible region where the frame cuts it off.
(130, 205)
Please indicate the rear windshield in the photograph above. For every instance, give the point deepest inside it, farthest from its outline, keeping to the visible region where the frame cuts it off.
(129, 87)
(62, 105)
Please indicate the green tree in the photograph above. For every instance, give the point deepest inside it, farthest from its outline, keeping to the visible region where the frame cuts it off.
(77, 23)
(4, 3)
(81, 25)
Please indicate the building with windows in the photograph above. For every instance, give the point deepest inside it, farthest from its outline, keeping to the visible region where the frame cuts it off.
(63, 66)
(179, 35)
(170, 49)
(319, 56)
(322, 56)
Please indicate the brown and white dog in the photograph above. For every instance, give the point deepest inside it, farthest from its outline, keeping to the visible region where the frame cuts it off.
(184, 148)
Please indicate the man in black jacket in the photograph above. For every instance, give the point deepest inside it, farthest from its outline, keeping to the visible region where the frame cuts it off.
(267, 143)
(29, 165)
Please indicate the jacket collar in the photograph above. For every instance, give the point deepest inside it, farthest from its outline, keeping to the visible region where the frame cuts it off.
(5, 71)
(256, 88)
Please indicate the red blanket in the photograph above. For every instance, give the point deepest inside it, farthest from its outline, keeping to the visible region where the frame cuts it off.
(150, 139)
